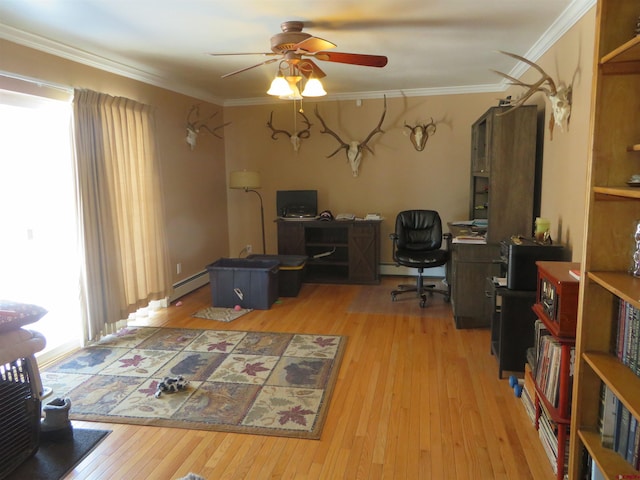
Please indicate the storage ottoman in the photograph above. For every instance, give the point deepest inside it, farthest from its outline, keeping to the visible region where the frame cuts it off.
(250, 283)
(290, 272)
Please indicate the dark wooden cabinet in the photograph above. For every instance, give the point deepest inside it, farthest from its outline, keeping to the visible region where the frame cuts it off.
(337, 251)
(503, 175)
(469, 267)
(512, 326)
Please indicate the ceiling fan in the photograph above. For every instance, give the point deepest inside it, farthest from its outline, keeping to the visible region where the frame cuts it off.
(297, 49)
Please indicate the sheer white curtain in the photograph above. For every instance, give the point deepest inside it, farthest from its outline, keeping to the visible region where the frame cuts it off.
(120, 208)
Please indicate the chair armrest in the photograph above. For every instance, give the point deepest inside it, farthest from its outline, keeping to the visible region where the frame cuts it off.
(394, 238)
(448, 237)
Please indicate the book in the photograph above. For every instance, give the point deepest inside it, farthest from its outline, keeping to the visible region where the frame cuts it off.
(477, 239)
(608, 417)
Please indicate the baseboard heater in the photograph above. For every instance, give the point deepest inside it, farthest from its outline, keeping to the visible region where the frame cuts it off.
(189, 284)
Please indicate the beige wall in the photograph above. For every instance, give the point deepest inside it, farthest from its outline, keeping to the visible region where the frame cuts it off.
(193, 181)
(398, 177)
(207, 221)
(569, 62)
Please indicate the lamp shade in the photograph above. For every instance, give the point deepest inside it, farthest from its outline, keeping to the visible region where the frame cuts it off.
(244, 179)
(313, 88)
(279, 86)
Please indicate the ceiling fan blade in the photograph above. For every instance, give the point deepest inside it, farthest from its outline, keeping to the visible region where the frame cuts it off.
(353, 58)
(308, 68)
(313, 44)
(240, 53)
(271, 60)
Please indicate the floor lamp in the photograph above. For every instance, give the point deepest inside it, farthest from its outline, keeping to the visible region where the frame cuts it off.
(249, 182)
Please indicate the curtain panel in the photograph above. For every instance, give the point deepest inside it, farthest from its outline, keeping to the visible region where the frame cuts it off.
(120, 210)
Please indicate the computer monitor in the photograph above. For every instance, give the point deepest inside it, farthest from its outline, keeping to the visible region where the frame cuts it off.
(297, 203)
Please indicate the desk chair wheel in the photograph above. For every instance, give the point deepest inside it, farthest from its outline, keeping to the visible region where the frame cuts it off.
(423, 301)
(393, 297)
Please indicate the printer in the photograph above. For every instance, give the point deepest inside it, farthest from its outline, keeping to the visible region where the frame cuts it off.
(518, 257)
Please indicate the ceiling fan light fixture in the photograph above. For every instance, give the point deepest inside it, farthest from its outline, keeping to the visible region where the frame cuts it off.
(294, 95)
(313, 88)
(279, 86)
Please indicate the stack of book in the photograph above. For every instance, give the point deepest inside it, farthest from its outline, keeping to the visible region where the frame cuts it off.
(528, 395)
(548, 365)
(548, 433)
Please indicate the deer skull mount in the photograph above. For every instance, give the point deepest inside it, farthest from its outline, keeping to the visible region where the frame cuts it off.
(560, 97)
(194, 125)
(353, 149)
(295, 137)
(419, 134)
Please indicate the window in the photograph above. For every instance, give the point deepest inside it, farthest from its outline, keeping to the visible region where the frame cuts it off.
(39, 260)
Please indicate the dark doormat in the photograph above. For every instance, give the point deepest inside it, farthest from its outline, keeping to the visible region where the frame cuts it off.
(55, 459)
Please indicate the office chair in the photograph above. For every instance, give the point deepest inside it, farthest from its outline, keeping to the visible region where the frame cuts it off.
(417, 243)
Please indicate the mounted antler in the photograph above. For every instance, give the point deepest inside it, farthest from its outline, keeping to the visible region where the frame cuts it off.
(294, 137)
(194, 126)
(560, 97)
(419, 134)
(353, 149)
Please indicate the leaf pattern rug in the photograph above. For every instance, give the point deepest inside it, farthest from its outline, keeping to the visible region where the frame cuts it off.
(247, 382)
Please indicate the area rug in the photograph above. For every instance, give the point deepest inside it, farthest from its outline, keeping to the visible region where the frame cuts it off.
(249, 382)
(221, 314)
(377, 300)
(56, 458)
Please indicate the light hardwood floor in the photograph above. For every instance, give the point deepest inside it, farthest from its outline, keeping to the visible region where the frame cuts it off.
(415, 399)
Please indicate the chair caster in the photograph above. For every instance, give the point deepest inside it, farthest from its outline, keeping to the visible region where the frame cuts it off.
(447, 299)
(393, 297)
(423, 301)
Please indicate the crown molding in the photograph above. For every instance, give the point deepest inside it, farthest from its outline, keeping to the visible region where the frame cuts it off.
(574, 12)
(571, 15)
(101, 63)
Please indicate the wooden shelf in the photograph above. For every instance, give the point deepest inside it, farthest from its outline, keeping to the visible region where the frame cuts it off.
(607, 459)
(628, 52)
(621, 284)
(619, 378)
(624, 192)
(554, 412)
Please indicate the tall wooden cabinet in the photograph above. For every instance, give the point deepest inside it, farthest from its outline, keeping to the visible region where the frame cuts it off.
(503, 171)
(613, 208)
(503, 192)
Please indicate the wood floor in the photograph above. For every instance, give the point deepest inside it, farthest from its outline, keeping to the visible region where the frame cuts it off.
(415, 399)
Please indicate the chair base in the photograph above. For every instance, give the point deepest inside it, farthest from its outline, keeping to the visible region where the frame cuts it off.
(421, 291)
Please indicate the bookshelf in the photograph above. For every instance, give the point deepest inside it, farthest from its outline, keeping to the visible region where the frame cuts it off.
(612, 210)
(556, 307)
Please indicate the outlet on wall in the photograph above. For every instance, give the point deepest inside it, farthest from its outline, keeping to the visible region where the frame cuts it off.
(178, 268)
(249, 248)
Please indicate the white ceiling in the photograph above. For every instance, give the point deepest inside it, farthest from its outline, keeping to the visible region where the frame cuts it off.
(433, 46)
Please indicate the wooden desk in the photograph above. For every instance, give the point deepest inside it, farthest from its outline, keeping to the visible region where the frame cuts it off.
(470, 266)
(350, 249)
